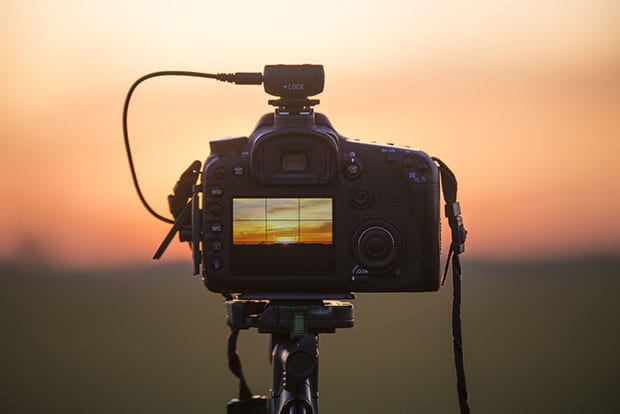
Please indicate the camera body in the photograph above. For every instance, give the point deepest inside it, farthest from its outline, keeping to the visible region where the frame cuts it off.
(297, 208)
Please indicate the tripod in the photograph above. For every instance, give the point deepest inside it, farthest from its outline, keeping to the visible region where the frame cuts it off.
(294, 322)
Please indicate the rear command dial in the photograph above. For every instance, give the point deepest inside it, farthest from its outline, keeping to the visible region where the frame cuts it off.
(376, 245)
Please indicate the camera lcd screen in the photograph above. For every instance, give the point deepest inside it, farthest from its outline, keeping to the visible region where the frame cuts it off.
(289, 236)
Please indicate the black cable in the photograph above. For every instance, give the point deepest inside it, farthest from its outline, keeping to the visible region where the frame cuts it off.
(240, 78)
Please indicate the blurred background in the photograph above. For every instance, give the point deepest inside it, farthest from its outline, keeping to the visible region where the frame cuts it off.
(521, 99)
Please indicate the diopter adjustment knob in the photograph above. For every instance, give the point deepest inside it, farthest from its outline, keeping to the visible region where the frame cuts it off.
(376, 245)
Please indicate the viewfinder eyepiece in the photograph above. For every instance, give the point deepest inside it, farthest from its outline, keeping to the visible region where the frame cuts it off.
(293, 162)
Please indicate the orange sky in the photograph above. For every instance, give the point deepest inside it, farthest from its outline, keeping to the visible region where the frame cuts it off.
(521, 99)
(274, 220)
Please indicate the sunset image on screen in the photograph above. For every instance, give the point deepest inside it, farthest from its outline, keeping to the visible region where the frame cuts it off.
(282, 221)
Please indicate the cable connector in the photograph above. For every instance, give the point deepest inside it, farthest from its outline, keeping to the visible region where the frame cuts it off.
(241, 78)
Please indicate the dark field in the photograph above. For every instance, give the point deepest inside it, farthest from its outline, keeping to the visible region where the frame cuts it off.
(539, 338)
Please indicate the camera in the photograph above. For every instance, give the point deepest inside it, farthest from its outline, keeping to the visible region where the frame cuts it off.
(297, 208)
(286, 221)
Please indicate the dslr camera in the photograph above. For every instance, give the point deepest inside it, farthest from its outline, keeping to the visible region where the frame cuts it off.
(296, 208)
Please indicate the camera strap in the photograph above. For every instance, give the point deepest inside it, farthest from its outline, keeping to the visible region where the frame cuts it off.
(457, 246)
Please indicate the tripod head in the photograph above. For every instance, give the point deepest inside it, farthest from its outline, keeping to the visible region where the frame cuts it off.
(294, 326)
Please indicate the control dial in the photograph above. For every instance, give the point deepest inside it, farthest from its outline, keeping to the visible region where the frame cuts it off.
(376, 245)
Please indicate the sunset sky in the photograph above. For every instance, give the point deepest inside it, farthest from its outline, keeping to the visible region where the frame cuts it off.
(282, 220)
(521, 99)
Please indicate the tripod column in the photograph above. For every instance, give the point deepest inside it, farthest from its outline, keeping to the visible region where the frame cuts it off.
(295, 374)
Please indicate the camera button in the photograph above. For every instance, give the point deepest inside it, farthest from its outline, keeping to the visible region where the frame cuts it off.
(238, 170)
(216, 227)
(216, 191)
(215, 209)
(216, 246)
(407, 162)
(422, 167)
(361, 198)
(217, 263)
(220, 173)
(353, 169)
